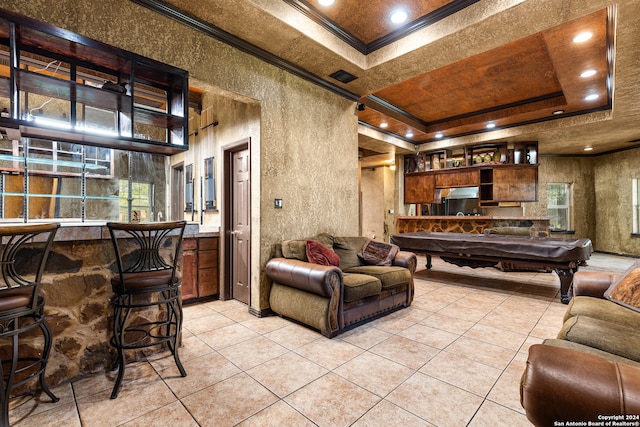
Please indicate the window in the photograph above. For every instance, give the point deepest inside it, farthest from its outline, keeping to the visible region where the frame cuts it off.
(141, 200)
(635, 184)
(559, 206)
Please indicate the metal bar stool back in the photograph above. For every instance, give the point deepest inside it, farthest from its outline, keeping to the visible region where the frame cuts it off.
(147, 302)
(24, 250)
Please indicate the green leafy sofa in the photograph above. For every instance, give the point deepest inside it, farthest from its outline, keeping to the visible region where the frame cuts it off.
(333, 298)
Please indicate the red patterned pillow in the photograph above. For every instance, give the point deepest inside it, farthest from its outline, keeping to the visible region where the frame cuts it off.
(318, 253)
(626, 290)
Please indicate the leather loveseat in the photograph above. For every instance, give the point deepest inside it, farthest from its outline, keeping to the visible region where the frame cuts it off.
(332, 298)
(591, 371)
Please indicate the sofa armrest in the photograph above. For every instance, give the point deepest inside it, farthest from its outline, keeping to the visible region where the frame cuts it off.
(561, 384)
(592, 283)
(303, 275)
(407, 260)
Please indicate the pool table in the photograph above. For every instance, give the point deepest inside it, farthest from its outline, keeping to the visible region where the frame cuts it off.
(520, 253)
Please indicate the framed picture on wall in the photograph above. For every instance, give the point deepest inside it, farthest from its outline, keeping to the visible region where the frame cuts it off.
(210, 184)
(188, 188)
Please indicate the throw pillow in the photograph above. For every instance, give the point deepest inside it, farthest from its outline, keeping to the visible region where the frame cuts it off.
(317, 253)
(626, 290)
(378, 253)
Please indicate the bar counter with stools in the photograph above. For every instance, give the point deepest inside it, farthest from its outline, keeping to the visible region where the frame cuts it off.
(24, 250)
(77, 282)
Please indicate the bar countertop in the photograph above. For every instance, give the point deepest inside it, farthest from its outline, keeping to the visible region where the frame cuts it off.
(475, 217)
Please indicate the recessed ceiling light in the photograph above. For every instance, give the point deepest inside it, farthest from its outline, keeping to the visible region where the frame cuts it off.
(588, 148)
(438, 135)
(588, 73)
(409, 134)
(491, 125)
(398, 16)
(384, 125)
(325, 2)
(558, 112)
(591, 97)
(582, 37)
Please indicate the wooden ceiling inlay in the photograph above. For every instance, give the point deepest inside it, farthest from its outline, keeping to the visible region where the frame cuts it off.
(523, 81)
(369, 20)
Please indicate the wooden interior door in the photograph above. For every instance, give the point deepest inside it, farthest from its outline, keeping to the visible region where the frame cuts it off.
(240, 226)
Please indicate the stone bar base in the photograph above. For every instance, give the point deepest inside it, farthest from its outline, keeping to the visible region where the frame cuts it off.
(77, 283)
(537, 227)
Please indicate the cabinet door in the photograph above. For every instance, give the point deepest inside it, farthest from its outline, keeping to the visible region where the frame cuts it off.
(515, 184)
(189, 269)
(419, 188)
(457, 178)
(207, 266)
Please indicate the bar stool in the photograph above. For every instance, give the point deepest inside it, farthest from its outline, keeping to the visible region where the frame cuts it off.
(146, 256)
(23, 250)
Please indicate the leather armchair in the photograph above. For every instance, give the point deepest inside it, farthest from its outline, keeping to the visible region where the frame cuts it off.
(563, 384)
(585, 377)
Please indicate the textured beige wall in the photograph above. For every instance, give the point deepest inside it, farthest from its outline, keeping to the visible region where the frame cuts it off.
(613, 174)
(372, 192)
(602, 197)
(307, 151)
(577, 171)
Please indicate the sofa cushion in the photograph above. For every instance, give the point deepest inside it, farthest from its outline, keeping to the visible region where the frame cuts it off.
(586, 349)
(317, 253)
(295, 249)
(390, 276)
(347, 248)
(602, 309)
(626, 290)
(606, 336)
(377, 253)
(358, 286)
(325, 238)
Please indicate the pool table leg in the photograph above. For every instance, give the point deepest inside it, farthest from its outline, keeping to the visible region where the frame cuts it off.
(566, 279)
(429, 265)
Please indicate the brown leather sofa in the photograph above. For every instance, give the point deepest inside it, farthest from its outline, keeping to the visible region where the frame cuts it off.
(333, 299)
(591, 371)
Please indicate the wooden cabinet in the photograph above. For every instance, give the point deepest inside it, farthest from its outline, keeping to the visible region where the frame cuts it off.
(95, 94)
(505, 172)
(509, 183)
(457, 178)
(199, 268)
(419, 188)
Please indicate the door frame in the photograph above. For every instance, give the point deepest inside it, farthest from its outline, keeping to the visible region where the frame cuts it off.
(225, 241)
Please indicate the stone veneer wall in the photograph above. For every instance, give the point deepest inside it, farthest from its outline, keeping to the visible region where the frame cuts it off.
(77, 284)
(471, 224)
(306, 150)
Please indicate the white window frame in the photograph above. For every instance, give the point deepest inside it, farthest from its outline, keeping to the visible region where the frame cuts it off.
(568, 206)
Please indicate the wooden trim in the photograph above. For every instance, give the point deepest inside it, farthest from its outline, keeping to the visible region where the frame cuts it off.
(310, 12)
(217, 33)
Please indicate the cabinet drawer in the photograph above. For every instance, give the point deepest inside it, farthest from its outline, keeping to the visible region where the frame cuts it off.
(189, 244)
(207, 243)
(207, 259)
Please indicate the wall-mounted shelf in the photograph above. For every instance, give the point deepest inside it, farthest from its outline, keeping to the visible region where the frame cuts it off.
(61, 85)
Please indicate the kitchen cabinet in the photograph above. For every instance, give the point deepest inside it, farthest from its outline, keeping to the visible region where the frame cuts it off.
(505, 172)
(457, 178)
(509, 183)
(419, 188)
(199, 268)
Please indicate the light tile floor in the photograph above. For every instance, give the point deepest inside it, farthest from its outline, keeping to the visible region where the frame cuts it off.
(454, 358)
